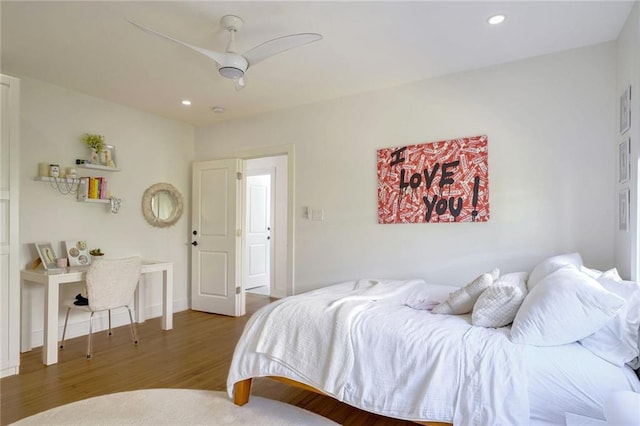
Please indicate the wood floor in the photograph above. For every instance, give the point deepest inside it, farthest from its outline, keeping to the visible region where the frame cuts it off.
(196, 354)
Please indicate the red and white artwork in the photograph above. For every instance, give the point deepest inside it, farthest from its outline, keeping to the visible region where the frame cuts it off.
(445, 181)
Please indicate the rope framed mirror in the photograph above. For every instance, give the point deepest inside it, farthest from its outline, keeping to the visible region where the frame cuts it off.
(162, 205)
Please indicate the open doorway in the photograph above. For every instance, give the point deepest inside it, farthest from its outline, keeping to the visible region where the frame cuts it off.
(218, 236)
(258, 205)
(265, 236)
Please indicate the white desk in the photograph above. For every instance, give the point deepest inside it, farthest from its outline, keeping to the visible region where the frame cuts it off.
(51, 280)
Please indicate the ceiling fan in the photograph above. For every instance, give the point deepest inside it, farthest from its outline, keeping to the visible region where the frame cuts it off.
(233, 65)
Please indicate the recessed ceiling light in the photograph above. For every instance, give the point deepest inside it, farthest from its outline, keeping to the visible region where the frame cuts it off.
(186, 102)
(496, 19)
(217, 109)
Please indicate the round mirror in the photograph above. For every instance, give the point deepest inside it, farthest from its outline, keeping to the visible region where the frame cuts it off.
(162, 205)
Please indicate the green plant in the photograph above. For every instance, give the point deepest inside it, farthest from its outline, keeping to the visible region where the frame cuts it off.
(95, 142)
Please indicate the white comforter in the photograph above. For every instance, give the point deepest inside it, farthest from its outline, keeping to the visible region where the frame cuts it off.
(361, 343)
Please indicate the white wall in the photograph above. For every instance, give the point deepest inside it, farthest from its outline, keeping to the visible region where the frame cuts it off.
(551, 165)
(149, 150)
(628, 73)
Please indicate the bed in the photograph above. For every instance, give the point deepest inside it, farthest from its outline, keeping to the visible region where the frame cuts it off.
(377, 345)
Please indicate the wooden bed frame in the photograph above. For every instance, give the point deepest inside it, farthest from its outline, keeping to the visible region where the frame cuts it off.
(242, 391)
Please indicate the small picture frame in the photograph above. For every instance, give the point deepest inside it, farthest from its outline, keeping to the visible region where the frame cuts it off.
(108, 156)
(625, 110)
(624, 164)
(77, 253)
(623, 209)
(47, 255)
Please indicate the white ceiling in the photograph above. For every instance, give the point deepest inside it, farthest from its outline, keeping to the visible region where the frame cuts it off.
(90, 47)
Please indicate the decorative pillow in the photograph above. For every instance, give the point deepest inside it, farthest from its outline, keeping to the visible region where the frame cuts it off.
(552, 264)
(593, 273)
(498, 304)
(618, 341)
(461, 301)
(612, 274)
(563, 307)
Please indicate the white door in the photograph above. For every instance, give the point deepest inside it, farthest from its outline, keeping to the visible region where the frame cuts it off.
(216, 285)
(9, 264)
(258, 232)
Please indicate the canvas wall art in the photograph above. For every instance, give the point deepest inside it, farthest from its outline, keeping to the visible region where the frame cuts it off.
(444, 181)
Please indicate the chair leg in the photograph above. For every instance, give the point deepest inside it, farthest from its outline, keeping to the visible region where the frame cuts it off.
(109, 322)
(64, 330)
(90, 334)
(133, 327)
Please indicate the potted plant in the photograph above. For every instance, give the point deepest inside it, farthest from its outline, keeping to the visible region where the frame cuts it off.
(96, 143)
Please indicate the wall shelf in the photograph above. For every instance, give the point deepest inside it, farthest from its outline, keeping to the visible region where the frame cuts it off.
(97, 167)
(52, 179)
(96, 200)
(70, 186)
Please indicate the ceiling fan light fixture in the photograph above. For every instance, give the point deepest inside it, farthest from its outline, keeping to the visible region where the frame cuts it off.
(231, 72)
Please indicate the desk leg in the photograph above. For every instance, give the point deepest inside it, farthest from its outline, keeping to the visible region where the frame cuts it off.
(167, 298)
(25, 326)
(138, 302)
(50, 346)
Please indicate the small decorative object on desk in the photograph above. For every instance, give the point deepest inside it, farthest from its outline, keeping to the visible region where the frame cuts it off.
(77, 253)
(96, 254)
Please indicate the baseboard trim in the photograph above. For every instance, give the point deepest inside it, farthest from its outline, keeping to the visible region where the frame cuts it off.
(79, 323)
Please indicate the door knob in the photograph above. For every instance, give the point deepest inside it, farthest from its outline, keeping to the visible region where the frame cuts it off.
(195, 243)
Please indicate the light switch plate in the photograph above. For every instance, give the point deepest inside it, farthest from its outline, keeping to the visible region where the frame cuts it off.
(317, 214)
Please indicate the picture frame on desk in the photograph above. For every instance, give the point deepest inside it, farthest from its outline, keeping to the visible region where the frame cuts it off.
(47, 255)
(77, 253)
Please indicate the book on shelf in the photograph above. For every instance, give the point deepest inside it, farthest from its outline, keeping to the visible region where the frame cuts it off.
(83, 188)
(102, 191)
(93, 188)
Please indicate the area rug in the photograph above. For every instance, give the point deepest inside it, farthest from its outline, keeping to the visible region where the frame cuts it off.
(174, 407)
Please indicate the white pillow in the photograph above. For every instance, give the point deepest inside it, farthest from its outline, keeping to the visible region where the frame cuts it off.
(612, 274)
(498, 304)
(563, 307)
(618, 340)
(593, 273)
(461, 301)
(552, 264)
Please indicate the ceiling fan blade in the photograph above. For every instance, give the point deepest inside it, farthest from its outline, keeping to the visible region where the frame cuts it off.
(219, 57)
(279, 45)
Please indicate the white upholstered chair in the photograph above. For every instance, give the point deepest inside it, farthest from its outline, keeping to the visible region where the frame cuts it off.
(110, 285)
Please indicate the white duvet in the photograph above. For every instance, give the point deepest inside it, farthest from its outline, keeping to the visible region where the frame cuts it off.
(361, 343)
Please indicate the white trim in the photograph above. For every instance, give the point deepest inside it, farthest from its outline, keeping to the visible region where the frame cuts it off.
(12, 364)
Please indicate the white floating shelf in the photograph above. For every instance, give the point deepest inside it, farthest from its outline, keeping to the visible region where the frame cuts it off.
(96, 200)
(52, 179)
(97, 167)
